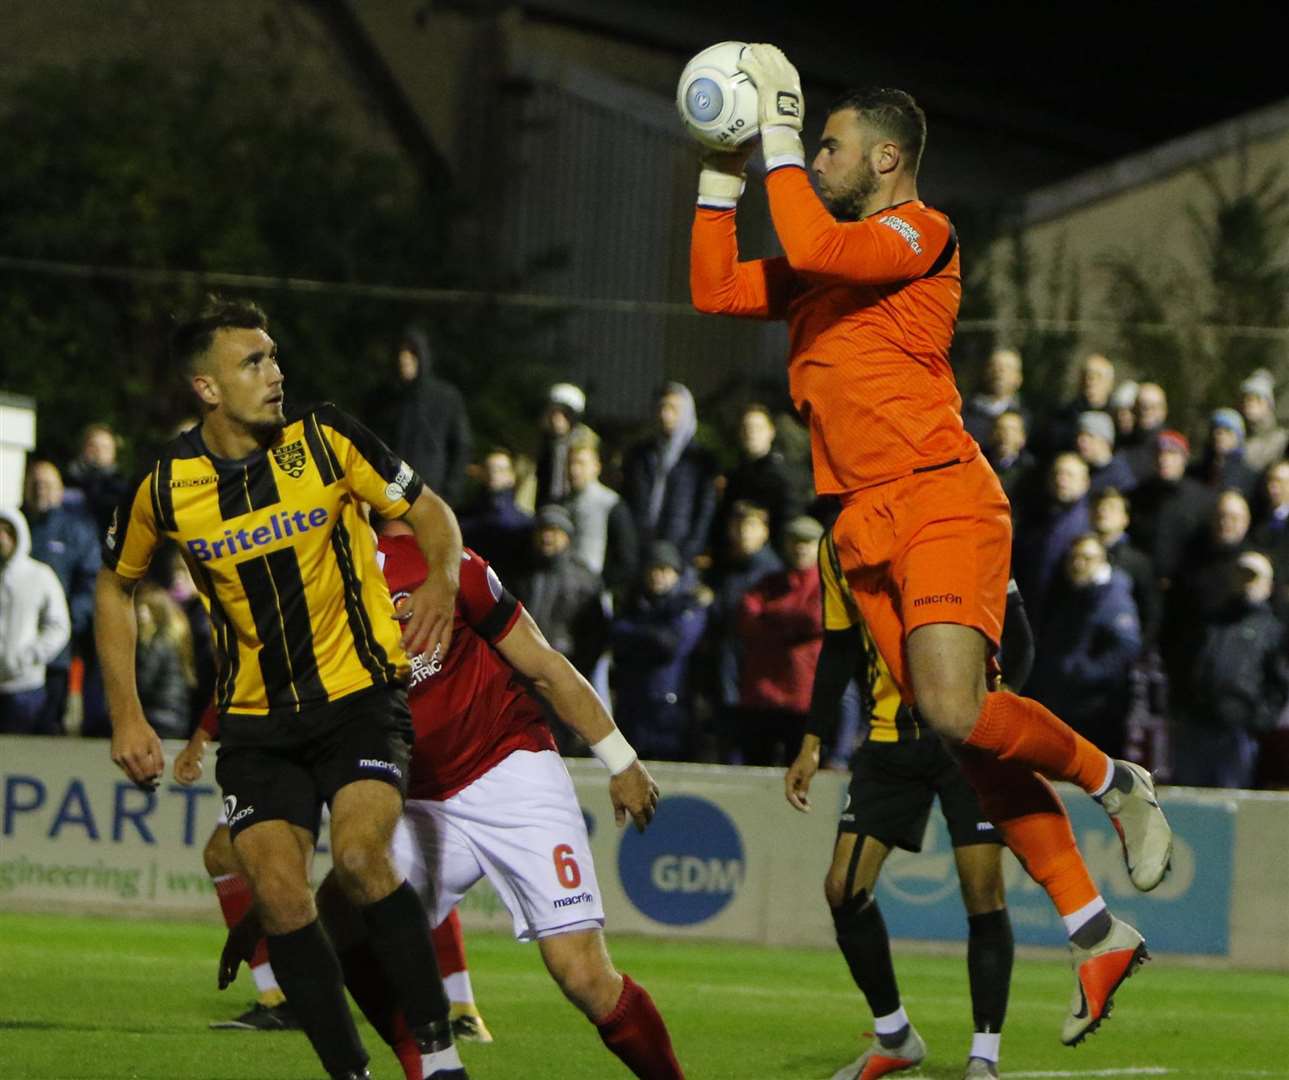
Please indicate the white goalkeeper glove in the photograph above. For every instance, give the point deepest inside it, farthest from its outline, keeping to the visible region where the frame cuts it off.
(781, 105)
(723, 178)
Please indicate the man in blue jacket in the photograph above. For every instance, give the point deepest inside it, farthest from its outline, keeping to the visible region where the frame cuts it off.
(653, 639)
(1090, 640)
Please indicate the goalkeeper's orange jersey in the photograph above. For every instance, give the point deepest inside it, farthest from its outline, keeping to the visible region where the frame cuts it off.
(871, 307)
(282, 556)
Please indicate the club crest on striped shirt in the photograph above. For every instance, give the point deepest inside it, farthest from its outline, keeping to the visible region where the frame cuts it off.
(290, 458)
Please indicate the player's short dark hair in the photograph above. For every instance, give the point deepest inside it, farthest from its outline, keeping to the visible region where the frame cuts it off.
(894, 113)
(192, 336)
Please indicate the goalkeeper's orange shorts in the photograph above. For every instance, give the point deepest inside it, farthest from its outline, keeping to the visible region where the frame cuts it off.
(933, 547)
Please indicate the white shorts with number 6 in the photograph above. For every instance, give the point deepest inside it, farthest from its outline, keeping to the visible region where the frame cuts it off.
(519, 825)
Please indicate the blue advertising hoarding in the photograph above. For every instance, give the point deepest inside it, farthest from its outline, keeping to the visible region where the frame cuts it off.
(1188, 913)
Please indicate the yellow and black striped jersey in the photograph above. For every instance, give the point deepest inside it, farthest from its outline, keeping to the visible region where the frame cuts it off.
(888, 721)
(283, 559)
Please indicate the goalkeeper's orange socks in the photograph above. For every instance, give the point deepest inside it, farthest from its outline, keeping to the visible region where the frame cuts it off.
(1033, 822)
(235, 901)
(1019, 729)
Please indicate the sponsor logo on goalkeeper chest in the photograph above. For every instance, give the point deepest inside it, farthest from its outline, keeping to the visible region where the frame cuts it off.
(280, 526)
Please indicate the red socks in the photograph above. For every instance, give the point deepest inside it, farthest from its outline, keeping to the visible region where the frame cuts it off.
(449, 945)
(635, 1032)
(235, 900)
(1034, 824)
(1020, 729)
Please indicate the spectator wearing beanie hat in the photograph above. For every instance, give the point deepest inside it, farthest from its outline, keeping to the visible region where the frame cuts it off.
(1123, 409)
(562, 594)
(653, 638)
(1222, 465)
(1094, 442)
(1265, 440)
(1170, 508)
(561, 424)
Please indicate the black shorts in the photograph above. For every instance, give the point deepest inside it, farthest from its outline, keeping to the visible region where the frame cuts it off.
(892, 786)
(363, 736)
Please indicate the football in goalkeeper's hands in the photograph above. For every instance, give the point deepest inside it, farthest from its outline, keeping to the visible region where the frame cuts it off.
(716, 101)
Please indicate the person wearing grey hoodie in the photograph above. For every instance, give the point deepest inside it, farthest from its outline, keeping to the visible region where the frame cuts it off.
(34, 626)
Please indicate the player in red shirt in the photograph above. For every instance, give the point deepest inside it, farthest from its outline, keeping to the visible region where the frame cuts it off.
(489, 796)
(870, 286)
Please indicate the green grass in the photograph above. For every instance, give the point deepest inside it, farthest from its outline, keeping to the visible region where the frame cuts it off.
(95, 999)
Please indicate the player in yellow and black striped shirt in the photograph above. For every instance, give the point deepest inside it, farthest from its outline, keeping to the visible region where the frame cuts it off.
(311, 664)
(897, 772)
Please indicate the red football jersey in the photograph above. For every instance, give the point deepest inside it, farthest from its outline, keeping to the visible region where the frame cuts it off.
(470, 710)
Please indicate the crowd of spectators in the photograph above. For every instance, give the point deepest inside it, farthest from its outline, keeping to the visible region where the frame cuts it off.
(1156, 575)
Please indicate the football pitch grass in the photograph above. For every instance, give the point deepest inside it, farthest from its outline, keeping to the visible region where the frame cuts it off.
(100, 999)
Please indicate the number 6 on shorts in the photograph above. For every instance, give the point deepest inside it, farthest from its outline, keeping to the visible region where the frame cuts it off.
(566, 868)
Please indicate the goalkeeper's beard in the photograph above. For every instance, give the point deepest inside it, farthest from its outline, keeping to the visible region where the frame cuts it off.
(847, 202)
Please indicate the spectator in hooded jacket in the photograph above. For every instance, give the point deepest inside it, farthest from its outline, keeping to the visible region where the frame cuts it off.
(653, 638)
(780, 626)
(1229, 682)
(668, 480)
(431, 428)
(1088, 645)
(34, 627)
(64, 538)
(1266, 441)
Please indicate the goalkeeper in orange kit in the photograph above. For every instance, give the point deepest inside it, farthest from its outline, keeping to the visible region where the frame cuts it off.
(870, 287)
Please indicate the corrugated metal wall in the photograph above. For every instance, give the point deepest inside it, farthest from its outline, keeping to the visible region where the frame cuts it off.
(598, 209)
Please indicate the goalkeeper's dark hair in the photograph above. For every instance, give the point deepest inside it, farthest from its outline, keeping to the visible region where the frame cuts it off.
(192, 335)
(894, 113)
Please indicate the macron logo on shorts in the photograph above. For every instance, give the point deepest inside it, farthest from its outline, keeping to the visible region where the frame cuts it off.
(938, 598)
(380, 766)
(569, 901)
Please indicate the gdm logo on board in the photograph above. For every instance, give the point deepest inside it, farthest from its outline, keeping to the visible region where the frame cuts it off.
(687, 866)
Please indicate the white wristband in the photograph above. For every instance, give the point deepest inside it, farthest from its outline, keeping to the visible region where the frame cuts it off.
(781, 145)
(614, 752)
